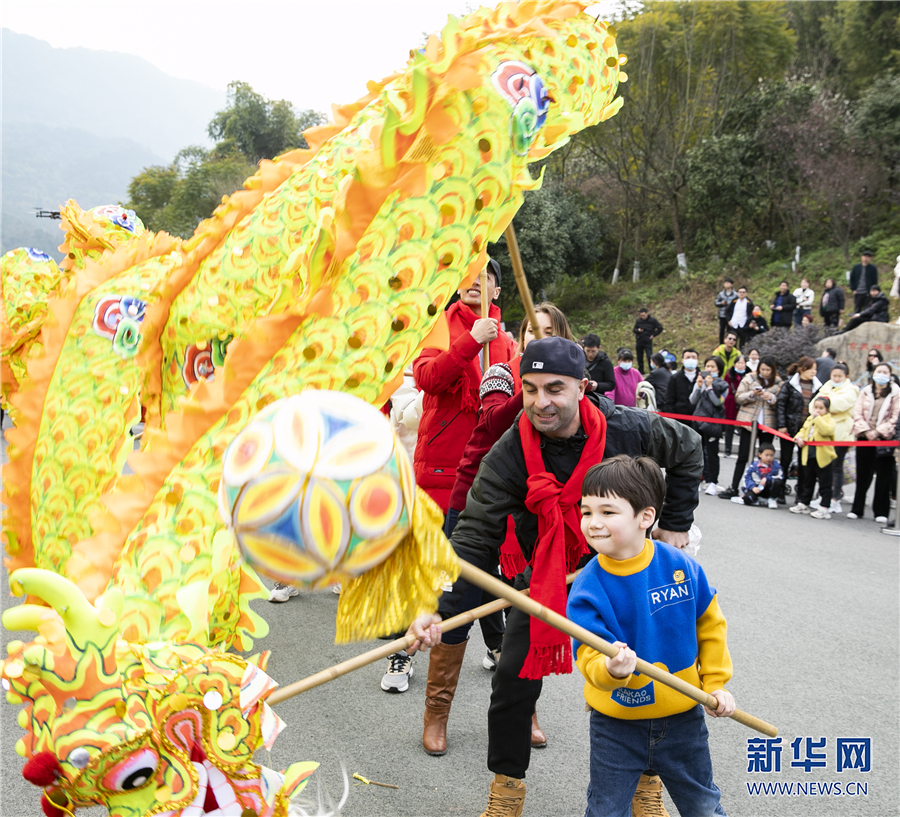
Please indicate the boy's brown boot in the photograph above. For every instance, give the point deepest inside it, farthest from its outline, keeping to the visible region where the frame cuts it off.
(647, 801)
(443, 676)
(507, 797)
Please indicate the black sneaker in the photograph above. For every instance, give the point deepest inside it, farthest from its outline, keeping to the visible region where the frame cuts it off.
(728, 493)
(489, 662)
(782, 500)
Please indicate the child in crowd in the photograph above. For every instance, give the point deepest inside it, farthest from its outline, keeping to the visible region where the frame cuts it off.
(616, 596)
(763, 479)
(819, 427)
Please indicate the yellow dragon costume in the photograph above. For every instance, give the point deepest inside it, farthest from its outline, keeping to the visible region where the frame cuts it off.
(328, 271)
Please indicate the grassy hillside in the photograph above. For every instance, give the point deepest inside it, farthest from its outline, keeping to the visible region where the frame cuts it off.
(685, 306)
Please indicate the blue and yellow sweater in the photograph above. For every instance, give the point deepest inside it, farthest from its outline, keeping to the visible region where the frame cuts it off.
(660, 604)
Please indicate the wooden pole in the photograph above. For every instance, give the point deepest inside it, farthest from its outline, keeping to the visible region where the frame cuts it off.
(486, 582)
(370, 657)
(485, 313)
(521, 283)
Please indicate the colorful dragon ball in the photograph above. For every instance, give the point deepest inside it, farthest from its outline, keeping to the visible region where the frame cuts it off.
(317, 489)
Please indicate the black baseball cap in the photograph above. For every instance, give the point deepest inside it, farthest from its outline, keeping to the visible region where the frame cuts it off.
(493, 266)
(553, 356)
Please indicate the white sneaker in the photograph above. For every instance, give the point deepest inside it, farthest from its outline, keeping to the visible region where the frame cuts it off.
(737, 500)
(881, 520)
(282, 592)
(400, 670)
(712, 489)
(336, 589)
(820, 514)
(836, 507)
(893, 503)
(816, 503)
(799, 508)
(773, 503)
(852, 515)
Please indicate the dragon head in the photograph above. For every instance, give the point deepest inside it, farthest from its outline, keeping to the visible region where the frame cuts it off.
(142, 729)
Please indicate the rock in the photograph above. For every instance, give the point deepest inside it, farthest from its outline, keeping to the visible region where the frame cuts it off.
(853, 346)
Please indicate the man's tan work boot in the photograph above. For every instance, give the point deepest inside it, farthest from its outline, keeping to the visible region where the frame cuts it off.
(507, 797)
(443, 676)
(647, 801)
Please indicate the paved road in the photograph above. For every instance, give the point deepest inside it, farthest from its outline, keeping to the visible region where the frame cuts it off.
(813, 617)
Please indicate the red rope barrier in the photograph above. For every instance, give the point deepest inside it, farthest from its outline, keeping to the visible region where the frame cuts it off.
(766, 429)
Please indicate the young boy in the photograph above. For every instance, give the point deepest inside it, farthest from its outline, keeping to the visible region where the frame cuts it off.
(762, 479)
(652, 600)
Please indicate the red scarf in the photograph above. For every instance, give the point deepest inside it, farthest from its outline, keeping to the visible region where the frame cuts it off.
(460, 318)
(560, 544)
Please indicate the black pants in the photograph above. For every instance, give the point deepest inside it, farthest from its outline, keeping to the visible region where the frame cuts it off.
(744, 454)
(787, 454)
(831, 318)
(711, 459)
(729, 438)
(869, 464)
(860, 299)
(723, 326)
(771, 490)
(852, 324)
(492, 626)
(806, 480)
(512, 699)
(643, 348)
(837, 471)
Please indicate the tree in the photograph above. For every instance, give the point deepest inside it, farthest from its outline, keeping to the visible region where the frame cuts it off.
(257, 127)
(175, 198)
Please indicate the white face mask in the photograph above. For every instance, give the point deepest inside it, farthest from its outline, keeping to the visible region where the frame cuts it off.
(881, 379)
(689, 363)
(625, 366)
(752, 364)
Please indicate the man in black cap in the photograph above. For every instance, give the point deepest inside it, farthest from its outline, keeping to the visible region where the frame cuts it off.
(533, 474)
(863, 277)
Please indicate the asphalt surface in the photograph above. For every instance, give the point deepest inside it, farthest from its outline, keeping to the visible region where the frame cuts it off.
(813, 628)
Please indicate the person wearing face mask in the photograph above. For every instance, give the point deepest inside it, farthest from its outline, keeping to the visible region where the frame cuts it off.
(678, 395)
(733, 378)
(875, 417)
(756, 398)
(659, 378)
(707, 400)
(793, 406)
(843, 395)
(627, 378)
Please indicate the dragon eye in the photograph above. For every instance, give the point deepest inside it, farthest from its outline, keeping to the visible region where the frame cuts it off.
(132, 772)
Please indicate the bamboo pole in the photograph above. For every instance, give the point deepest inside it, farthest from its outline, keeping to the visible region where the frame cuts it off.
(521, 283)
(485, 313)
(486, 582)
(370, 657)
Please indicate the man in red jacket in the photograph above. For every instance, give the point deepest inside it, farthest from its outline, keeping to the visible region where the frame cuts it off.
(450, 380)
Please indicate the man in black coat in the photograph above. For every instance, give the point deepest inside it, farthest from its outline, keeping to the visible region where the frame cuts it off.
(646, 327)
(659, 378)
(599, 366)
(876, 310)
(863, 277)
(783, 306)
(678, 395)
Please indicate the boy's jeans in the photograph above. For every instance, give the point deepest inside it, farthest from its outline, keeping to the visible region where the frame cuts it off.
(676, 748)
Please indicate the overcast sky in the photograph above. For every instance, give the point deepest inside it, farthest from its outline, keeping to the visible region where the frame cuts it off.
(312, 53)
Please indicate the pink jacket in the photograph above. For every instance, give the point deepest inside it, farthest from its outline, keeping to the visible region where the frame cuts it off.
(886, 421)
(626, 385)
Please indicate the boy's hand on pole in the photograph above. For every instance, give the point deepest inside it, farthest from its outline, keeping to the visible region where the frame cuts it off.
(624, 663)
(726, 704)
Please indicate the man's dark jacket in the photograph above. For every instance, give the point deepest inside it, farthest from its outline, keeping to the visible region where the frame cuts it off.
(651, 327)
(869, 277)
(788, 305)
(500, 486)
(600, 369)
(659, 378)
(876, 310)
(678, 396)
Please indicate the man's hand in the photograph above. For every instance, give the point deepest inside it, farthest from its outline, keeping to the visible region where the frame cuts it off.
(484, 330)
(624, 663)
(726, 704)
(427, 632)
(676, 538)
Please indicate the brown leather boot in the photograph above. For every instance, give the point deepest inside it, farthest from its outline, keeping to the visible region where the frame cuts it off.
(538, 738)
(443, 676)
(507, 797)
(647, 801)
